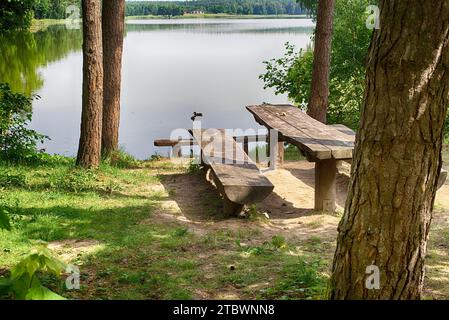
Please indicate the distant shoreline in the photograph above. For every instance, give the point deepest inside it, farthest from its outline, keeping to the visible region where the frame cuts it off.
(42, 24)
(218, 16)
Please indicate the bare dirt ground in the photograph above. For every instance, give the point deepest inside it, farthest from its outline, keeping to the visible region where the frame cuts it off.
(194, 203)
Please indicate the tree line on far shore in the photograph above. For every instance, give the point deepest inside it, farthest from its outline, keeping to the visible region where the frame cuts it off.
(18, 14)
(237, 7)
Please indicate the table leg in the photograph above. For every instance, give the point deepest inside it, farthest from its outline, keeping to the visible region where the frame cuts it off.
(281, 151)
(325, 185)
(273, 148)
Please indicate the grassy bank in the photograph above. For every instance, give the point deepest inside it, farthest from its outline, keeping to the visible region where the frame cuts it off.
(42, 24)
(114, 224)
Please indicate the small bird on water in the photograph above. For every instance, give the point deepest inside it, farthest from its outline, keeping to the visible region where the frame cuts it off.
(196, 115)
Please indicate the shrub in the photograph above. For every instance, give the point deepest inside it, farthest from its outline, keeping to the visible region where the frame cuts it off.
(17, 141)
(24, 282)
(121, 159)
(194, 167)
(16, 14)
(12, 179)
(4, 220)
(292, 74)
(76, 180)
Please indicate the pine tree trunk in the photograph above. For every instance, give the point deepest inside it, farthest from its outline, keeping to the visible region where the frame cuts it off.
(113, 32)
(319, 97)
(398, 154)
(90, 139)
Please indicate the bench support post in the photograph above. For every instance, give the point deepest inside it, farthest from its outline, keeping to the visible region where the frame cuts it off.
(325, 185)
(275, 150)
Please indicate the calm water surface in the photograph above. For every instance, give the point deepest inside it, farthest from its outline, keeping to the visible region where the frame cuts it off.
(170, 69)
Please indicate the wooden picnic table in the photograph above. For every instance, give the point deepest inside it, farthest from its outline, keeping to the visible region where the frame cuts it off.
(325, 145)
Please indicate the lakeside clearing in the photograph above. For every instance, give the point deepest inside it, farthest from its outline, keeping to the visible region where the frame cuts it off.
(156, 230)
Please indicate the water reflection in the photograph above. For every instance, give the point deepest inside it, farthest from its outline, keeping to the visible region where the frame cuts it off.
(23, 54)
(170, 69)
(221, 26)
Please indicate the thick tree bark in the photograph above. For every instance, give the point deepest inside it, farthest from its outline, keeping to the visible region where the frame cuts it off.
(398, 154)
(89, 151)
(113, 31)
(319, 97)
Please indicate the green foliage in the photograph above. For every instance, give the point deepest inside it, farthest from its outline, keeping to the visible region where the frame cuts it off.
(194, 167)
(278, 242)
(17, 142)
(15, 14)
(301, 280)
(180, 232)
(121, 159)
(26, 53)
(52, 9)
(24, 282)
(292, 73)
(241, 7)
(4, 220)
(76, 180)
(9, 178)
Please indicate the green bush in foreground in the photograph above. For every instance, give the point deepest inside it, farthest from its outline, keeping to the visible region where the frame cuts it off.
(18, 143)
(24, 283)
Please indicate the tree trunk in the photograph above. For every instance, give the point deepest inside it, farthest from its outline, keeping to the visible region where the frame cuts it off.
(319, 97)
(113, 31)
(90, 139)
(397, 158)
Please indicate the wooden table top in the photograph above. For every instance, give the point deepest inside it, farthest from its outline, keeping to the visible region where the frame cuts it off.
(317, 140)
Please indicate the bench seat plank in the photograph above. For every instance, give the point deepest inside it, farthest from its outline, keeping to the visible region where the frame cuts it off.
(240, 182)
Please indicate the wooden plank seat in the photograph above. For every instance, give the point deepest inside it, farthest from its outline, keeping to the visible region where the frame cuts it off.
(236, 177)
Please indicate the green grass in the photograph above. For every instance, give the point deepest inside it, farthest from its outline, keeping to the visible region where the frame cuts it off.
(42, 24)
(291, 153)
(137, 255)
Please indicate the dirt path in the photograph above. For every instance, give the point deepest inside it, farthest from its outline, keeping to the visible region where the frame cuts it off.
(194, 203)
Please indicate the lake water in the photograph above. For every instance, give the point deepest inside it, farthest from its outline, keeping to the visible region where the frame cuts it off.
(170, 69)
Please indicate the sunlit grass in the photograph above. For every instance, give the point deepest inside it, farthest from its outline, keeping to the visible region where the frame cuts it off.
(136, 255)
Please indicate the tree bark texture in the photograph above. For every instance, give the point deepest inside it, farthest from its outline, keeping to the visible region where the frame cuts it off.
(397, 158)
(113, 23)
(319, 97)
(89, 152)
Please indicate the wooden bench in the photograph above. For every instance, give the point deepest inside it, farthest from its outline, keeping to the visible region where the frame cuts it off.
(236, 177)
